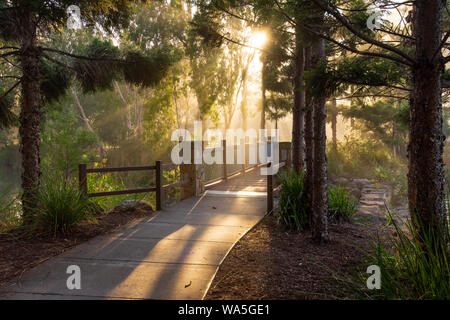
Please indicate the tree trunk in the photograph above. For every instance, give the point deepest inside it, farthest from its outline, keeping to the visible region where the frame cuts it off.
(244, 109)
(352, 120)
(320, 196)
(87, 124)
(244, 102)
(229, 115)
(263, 100)
(30, 120)
(334, 114)
(175, 100)
(126, 105)
(298, 113)
(309, 138)
(426, 172)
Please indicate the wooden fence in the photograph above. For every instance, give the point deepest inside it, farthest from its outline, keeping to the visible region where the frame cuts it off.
(159, 188)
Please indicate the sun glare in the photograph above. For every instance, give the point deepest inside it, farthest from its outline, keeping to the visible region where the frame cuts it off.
(258, 39)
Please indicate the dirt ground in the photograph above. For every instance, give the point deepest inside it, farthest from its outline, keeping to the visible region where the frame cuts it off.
(21, 251)
(271, 263)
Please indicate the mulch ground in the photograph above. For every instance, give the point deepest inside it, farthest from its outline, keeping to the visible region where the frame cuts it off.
(270, 263)
(21, 250)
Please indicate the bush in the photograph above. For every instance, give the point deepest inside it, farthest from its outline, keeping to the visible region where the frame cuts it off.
(293, 211)
(61, 205)
(358, 157)
(10, 212)
(109, 182)
(415, 267)
(341, 204)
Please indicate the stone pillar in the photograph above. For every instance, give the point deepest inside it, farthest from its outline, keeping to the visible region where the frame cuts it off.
(194, 175)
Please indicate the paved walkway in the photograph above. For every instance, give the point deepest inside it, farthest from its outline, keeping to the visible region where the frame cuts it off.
(174, 254)
(252, 182)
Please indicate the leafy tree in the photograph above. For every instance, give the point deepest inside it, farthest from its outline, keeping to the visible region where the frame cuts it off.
(25, 27)
(65, 144)
(204, 62)
(277, 107)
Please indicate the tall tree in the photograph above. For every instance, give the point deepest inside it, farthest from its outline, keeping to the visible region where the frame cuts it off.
(421, 51)
(204, 54)
(298, 111)
(319, 195)
(333, 112)
(45, 73)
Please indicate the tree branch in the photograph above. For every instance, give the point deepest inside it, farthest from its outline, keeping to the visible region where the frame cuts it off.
(58, 62)
(11, 89)
(80, 57)
(443, 42)
(363, 53)
(360, 35)
(4, 55)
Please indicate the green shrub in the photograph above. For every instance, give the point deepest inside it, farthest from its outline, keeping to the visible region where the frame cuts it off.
(414, 267)
(335, 162)
(341, 204)
(359, 156)
(109, 182)
(10, 211)
(61, 205)
(292, 203)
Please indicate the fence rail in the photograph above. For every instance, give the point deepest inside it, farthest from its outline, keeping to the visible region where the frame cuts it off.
(159, 188)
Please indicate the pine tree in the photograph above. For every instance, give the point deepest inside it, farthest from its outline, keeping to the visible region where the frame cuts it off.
(420, 50)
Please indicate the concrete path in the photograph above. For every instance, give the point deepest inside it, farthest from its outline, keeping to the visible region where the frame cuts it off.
(174, 254)
(252, 181)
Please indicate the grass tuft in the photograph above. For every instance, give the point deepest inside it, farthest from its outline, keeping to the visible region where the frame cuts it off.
(412, 267)
(293, 212)
(61, 205)
(341, 204)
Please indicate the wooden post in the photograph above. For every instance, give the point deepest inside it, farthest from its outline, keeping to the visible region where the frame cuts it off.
(159, 189)
(82, 178)
(244, 165)
(269, 191)
(225, 172)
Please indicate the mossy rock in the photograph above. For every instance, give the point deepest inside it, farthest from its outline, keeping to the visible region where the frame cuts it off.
(135, 205)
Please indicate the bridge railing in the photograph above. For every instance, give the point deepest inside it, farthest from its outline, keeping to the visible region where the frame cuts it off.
(193, 179)
(218, 172)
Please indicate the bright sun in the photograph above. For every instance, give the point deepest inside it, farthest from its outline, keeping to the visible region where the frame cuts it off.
(258, 39)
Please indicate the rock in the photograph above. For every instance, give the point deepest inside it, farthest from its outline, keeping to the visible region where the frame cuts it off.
(355, 192)
(360, 183)
(135, 204)
(332, 178)
(342, 181)
(95, 208)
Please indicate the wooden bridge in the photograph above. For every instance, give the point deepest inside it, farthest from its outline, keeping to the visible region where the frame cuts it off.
(193, 180)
